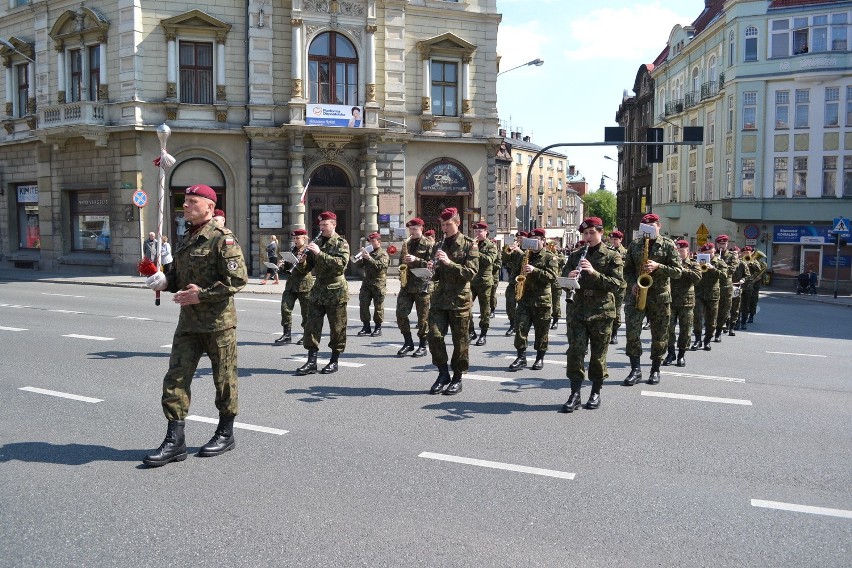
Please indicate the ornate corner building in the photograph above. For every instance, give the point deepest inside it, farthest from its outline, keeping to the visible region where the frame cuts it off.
(382, 109)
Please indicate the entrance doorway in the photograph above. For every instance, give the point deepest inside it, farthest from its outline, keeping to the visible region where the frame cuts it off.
(431, 207)
(812, 260)
(330, 190)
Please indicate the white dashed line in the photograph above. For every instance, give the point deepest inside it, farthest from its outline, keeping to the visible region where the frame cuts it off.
(697, 397)
(325, 361)
(13, 306)
(62, 295)
(133, 318)
(707, 377)
(797, 354)
(92, 337)
(498, 465)
(12, 328)
(65, 312)
(239, 425)
(802, 508)
(504, 380)
(61, 394)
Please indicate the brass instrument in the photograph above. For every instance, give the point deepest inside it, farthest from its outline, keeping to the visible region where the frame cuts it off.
(569, 296)
(403, 268)
(644, 281)
(520, 279)
(755, 256)
(360, 255)
(551, 246)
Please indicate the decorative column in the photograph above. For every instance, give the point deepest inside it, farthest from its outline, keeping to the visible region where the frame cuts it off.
(466, 105)
(296, 58)
(84, 56)
(221, 92)
(426, 103)
(31, 98)
(60, 75)
(371, 192)
(296, 209)
(103, 87)
(171, 67)
(10, 93)
(371, 63)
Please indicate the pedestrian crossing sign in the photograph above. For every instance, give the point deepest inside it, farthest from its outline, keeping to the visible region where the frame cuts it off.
(841, 227)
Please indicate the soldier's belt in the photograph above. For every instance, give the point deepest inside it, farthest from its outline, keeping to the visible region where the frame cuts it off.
(595, 293)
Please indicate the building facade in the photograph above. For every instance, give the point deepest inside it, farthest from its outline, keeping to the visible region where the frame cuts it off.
(382, 109)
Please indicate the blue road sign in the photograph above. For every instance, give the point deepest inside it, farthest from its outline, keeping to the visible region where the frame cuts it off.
(140, 198)
(841, 227)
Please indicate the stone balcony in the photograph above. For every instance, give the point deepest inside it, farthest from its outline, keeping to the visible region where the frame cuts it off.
(58, 123)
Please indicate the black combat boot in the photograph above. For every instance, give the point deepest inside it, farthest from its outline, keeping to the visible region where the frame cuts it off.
(681, 362)
(222, 441)
(594, 401)
(737, 325)
(310, 367)
(613, 340)
(520, 362)
(377, 330)
(573, 402)
(472, 332)
(365, 330)
(481, 341)
(555, 323)
(493, 315)
(442, 380)
(707, 339)
(511, 330)
(421, 349)
(718, 337)
(696, 343)
(731, 332)
(301, 341)
(455, 386)
(285, 337)
(670, 356)
(332, 364)
(539, 361)
(654, 377)
(743, 323)
(635, 373)
(407, 345)
(173, 447)
(751, 318)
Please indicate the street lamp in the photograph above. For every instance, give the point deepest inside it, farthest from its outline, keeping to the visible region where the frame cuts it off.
(15, 49)
(537, 62)
(612, 159)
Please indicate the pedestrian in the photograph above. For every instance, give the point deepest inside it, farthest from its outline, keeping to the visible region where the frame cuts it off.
(375, 263)
(151, 252)
(615, 239)
(454, 265)
(271, 258)
(166, 258)
(683, 306)
(208, 271)
(327, 256)
(483, 282)
(297, 286)
(413, 291)
(813, 280)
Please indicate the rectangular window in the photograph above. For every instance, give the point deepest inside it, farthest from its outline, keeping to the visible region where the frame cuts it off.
(518, 200)
(559, 203)
(693, 182)
(711, 127)
(445, 88)
(519, 159)
(29, 233)
(782, 110)
(729, 178)
(75, 65)
(803, 99)
(848, 106)
(731, 110)
(750, 110)
(22, 72)
(90, 229)
(800, 35)
(94, 71)
(847, 176)
(748, 177)
(196, 73)
(672, 188)
(779, 184)
(541, 162)
(832, 106)
(819, 34)
(518, 180)
(839, 31)
(800, 177)
(550, 183)
(708, 183)
(550, 201)
(780, 38)
(550, 163)
(829, 176)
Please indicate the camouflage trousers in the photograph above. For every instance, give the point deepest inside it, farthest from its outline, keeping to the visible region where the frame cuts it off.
(511, 303)
(619, 303)
(288, 302)
(494, 294)
(753, 297)
(537, 317)
(404, 302)
(336, 314)
(706, 313)
(556, 300)
(682, 318)
(724, 307)
(187, 349)
(735, 310)
(457, 321)
(583, 333)
(374, 295)
(658, 316)
(482, 293)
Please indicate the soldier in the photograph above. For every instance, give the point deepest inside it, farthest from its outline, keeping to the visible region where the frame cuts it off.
(511, 259)
(374, 286)
(555, 289)
(328, 257)
(415, 253)
(726, 287)
(615, 239)
(600, 275)
(456, 263)
(739, 277)
(483, 282)
(750, 307)
(683, 305)
(496, 270)
(707, 293)
(663, 265)
(296, 287)
(208, 270)
(534, 307)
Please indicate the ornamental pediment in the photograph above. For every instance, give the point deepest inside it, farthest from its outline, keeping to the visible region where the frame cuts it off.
(81, 24)
(446, 44)
(20, 47)
(195, 21)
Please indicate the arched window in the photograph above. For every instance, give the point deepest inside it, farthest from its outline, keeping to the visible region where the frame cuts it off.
(750, 44)
(731, 49)
(711, 69)
(333, 70)
(696, 81)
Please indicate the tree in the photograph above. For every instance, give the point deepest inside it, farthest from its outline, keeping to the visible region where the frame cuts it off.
(600, 203)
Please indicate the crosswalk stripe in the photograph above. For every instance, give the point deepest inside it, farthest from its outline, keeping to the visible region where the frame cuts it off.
(61, 394)
(698, 398)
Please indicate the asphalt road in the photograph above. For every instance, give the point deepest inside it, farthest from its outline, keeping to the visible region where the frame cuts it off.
(740, 459)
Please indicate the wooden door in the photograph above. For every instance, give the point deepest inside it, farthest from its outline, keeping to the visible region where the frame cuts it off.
(334, 200)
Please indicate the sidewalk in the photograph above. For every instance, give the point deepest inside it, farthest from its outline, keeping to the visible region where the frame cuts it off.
(254, 286)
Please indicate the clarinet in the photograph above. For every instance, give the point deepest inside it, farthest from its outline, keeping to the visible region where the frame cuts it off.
(302, 254)
(434, 267)
(569, 297)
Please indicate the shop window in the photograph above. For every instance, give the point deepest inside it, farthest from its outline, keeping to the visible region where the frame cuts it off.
(333, 70)
(196, 72)
(90, 229)
(29, 233)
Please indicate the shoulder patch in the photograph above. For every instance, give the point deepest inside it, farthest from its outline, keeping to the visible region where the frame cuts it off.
(229, 241)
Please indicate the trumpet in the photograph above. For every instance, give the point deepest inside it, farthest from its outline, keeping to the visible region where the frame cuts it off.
(360, 255)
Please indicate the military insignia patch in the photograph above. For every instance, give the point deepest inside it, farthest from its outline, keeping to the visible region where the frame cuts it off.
(229, 241)
(232, 264)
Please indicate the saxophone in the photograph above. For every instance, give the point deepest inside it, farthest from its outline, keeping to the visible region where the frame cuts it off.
(403, 268)
(520, 279)
(644, 281)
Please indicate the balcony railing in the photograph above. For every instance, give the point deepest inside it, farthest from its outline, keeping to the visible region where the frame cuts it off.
(674, 107)
(691, 99)
(708, 90)
(72, 114)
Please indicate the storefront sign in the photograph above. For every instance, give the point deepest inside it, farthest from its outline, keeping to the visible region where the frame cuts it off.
(444, 178)
(831, 260)
(270, 216)
(334, 115)
(27, 194)
(800, 234)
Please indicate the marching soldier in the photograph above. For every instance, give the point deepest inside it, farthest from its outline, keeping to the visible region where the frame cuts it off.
(555, 289)
(748, 305)
(496, 268)
(726, 287)
(600, 275)
(740, 278)
(615, 239)
(707, 293)
(483, 282)
(327, 256)
(683, 306)
(296, 287)
(415, 253)
(663, 265)
(512, 256)
(534, 307)
(374, 286)
(454, 266)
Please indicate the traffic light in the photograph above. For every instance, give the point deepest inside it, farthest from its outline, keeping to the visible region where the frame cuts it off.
(654, 152)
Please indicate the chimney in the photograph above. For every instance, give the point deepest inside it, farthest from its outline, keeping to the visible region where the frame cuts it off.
(526, 138)
(502, 132)
(571, 170)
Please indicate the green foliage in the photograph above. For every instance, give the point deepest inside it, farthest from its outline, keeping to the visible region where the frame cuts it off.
(600, 203)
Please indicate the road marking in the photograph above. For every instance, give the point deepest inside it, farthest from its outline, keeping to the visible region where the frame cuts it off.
(504, 380)
(133, 318)
(13, 306)
(62, 295)
(499, 465)
(697, 397)
(708, 377)
(92, 337)
(61, 394)
(550, 361)
(239, 425)
(802, 508)
(773, 334)
(12, 328)
(325, 361)
(798, 354)
(168, 346)
(65, 312)
(242, 298)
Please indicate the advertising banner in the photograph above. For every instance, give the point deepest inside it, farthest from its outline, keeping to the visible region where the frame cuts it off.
(800, 234)
(339, 116)
(27, 194)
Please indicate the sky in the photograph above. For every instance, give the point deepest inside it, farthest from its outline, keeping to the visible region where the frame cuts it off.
(591, 53)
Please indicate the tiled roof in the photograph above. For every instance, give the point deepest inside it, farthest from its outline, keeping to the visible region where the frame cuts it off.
(796, 3)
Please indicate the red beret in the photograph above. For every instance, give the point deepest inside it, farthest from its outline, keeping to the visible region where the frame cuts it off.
(218, 213)
(650, 218)
(616, 235)
(707, 247)
(417, 221)
(298, 233)
(748, 249)
(429, 233)
(722, 239)
(448, 213)
(522, 234)
(590, 222)
(204, 191)
(734, 248)
(480, 225)
(374, 236)
(327, 216)
(539, 233)
(682, 244)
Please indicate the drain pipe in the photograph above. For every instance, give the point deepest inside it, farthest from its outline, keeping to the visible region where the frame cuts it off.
(249, 262)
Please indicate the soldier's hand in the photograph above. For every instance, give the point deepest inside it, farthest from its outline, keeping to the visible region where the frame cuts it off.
(574, 274)
(364, 253)
(188, 296)
(586, 266)
(442, 257)
(528, 268)
(651, 266)
(313, 247)
(430, 265)
(409, 258)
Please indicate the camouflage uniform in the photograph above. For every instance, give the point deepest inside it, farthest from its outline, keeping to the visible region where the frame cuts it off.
(754, 268)
(451, 303)
(330, 293)
(619, 295)
(683, 307)
(296, 287)
(483, 282)
(740, 274)
(374, 286)
(556, 290)
(495, 276)
(726, 291)
(658, 305)
(592, 314)
(416, 291)
(512, 262)
(707, 293)
(211, 259)
(535, 306)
